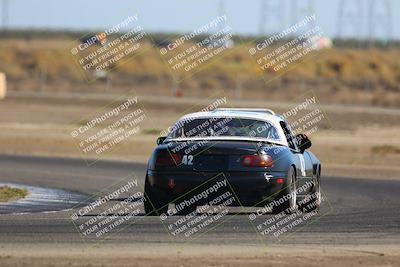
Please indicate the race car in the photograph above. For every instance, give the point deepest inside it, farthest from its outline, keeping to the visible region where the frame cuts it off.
(252, 153)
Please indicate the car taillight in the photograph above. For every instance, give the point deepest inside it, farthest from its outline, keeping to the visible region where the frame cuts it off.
(257, 161)
(168, 159)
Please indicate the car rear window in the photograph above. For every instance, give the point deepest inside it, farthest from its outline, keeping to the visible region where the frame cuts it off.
(209, 127)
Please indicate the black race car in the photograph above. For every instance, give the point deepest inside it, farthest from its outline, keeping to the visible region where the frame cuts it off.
(250, 155)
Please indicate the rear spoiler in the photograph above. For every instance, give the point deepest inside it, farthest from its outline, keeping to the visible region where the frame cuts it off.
(265, 110)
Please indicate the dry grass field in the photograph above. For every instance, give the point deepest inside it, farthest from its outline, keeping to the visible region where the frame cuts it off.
(338, 75)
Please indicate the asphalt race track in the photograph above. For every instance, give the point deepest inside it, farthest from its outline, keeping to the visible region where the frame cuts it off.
(355, 211)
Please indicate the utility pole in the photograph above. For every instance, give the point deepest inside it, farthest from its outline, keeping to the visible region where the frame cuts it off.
(272, 15)
(221, 8)
(380, 18)
(221, 12)
(4, 14)
(350, 19)
(301, 8)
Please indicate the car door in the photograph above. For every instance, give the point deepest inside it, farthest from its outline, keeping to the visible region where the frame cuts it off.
(309, 164)
(304, 168)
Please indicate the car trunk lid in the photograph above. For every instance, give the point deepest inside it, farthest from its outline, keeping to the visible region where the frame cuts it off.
(210, 156)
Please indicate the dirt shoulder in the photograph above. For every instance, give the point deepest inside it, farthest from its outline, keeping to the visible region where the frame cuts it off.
(196, 255)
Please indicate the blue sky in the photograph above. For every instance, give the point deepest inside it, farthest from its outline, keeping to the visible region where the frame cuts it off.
(179, 15)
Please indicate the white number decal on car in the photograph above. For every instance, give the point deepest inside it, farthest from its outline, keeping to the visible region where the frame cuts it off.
(187, 159)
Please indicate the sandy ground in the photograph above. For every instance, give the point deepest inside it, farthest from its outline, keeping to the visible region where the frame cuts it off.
(197, 255)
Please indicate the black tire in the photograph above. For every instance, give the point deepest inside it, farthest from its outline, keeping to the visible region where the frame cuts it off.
(289, 205)
(314, 199)
(153, 206)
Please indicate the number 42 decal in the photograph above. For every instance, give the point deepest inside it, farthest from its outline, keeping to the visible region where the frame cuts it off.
(187, 159)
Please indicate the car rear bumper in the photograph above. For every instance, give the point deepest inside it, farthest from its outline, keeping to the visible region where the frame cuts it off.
(248, 188)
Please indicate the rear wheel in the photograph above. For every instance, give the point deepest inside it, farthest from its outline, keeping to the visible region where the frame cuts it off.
(313, 202)
(153, 205)
(288, 196)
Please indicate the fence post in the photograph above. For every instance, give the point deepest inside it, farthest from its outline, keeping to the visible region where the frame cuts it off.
(3, 85)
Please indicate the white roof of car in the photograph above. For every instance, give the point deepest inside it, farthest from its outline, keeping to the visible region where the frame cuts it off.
(243, 113)
(248, 113)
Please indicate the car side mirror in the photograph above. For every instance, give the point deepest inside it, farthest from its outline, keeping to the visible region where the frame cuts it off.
(303, 142)
(160, 140)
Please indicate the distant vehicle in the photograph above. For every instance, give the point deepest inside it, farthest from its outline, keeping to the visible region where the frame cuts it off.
(161, 42)
(97, 39)
(255, 149)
